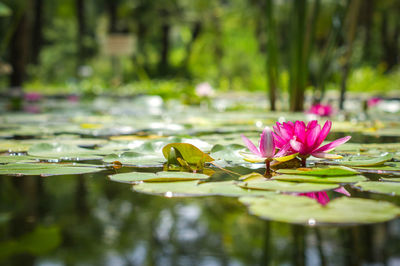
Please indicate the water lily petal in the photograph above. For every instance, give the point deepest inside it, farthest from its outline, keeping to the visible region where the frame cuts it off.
(287, 131)
(324, 132)
(312, 136)
(250, 145)
(300, 130)
(343, 191)
(297, 146)
(279, 142)
(267, 145)
(330, 146)
(251, 158)
(283, 151)
(312, 124)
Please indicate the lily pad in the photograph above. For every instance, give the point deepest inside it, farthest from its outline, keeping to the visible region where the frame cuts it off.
(14, 159)
(134, 177)
(46, 169)
(282, 186)
(190, 153)
(321, 179)
(134, 158)
(194, 188)
(62, 151)
(377, 161)
(229, 153)
(391, 188)
(331, 171)
(386, 167)
(304, 210)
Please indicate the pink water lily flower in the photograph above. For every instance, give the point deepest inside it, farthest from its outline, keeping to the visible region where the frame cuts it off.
(322, 197)
(306, 140)
(321, 109)
(267, 151)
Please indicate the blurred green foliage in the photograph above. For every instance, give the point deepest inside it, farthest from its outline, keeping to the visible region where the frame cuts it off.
(180, 43)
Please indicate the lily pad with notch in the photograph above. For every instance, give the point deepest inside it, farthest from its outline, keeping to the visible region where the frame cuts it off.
(196, 188)
(165, 176)
(304, 210)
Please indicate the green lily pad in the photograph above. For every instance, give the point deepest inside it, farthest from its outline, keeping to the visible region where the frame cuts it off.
(282, 186)
(229, 153)
(195, 188)
(134, 158)
(391, 188)
(319, 179)
(391, 179)
(331, 171)
(62, 151)
(134, 177)
(14, 159)
(46, 169)
(191, 154)
(386, 167)
(358, 161)
(304, 210)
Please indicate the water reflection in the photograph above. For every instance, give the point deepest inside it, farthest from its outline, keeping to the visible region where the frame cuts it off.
(104, 223)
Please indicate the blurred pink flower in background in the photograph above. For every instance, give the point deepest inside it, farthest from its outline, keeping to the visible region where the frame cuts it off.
(373, 101)
(204, 89)
(73, 98)
(321, 109)
(32, 96)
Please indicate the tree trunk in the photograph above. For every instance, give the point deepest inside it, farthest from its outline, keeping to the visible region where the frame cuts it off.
(351, 21)
(80, 15)
(37, 36)
(272, 55)
(165, 31)
(19, 50)
(298, 62)
(389, 41)
(195, 34)
(112, 11)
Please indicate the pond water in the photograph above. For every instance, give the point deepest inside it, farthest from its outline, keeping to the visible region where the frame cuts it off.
(54, 216)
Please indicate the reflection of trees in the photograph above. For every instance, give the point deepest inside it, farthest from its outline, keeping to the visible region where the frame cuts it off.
(103, 222)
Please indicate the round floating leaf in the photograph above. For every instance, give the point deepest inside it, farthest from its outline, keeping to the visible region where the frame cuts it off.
(228, 153)
(134, 158)
(57, 150)
(303, 210)
(194, 188)
(387, 167)
(191, 154)
(46, 169)
(134, 177)
(319, 179)
(359, 161)
(391, 188)
(391, 179)
(331, 171)
(19, 159)
(282, 186)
